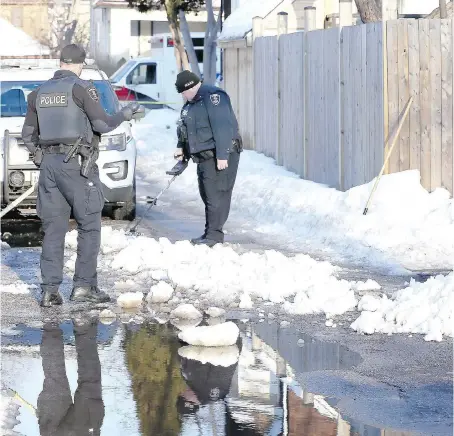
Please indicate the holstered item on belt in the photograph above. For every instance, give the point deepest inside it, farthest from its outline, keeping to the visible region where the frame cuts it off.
(202, 156)
(237, 145)
(38, 157)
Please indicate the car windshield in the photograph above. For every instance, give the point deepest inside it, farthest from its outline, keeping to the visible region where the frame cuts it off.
(120, 73)
(14, 95)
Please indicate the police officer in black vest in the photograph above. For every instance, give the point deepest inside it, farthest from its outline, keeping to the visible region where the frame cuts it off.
(211, 138)
(63, 112)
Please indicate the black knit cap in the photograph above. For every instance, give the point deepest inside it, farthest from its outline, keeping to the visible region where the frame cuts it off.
(186, 80)
(73, 54)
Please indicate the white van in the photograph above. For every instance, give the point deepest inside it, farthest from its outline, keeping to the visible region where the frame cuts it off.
(117, 156)
(151, 80)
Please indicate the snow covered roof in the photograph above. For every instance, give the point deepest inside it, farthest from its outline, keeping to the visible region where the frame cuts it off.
(19, 43)
(239, 23)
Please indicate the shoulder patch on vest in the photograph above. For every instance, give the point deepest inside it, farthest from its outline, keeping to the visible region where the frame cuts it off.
(93, 93)
(215, 99)
(53, 99)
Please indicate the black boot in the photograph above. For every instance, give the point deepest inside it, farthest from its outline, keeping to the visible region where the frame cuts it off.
(207, 242)
(196, 241)
(50, 296)
(90, 294)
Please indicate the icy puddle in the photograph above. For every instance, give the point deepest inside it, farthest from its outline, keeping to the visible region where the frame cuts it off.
(139, 379)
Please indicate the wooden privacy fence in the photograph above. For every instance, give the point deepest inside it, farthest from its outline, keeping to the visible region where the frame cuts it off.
(420, 64)
(322, 102)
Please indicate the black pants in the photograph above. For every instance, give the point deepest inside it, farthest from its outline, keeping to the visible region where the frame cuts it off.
(61, 188)
(57, 414)
(216, 189)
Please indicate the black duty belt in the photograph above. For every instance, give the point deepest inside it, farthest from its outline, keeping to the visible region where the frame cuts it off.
(56, 149)
(202, 156)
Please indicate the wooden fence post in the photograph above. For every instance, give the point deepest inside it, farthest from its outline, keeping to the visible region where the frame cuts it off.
(257, 27)
(309, 18)
(309, 24)
(345, 13)
(282, 23)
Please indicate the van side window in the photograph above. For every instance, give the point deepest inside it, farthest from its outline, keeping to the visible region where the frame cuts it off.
(143, 74)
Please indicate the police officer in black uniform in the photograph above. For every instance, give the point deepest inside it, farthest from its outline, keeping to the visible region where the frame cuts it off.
(61, 113)
(211, 138)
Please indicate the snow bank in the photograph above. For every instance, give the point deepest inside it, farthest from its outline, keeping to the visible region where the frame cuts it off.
(224, 276)
(220, 335)
(425, 308)
(406, 226)
(217, 356)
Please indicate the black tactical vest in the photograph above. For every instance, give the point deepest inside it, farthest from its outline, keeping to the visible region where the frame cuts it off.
(60, 120)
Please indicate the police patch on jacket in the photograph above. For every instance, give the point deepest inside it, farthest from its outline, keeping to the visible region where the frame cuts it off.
(54, 99)
(93, 93)
(215, 99)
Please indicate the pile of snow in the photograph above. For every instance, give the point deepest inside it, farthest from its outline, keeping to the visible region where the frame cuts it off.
(18, 287)
(5, 246)
(217, 356)
(161, 292)
(221, 335)
(425, 308)
(405, 227)
(224, 276)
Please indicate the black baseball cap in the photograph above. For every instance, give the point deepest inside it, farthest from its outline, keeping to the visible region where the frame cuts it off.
(73, 54)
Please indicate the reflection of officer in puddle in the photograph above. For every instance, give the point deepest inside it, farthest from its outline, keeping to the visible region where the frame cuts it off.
(57, 414)
(208, 383)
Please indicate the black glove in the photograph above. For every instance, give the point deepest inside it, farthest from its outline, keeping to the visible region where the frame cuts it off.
(38, 157)
(133, 110)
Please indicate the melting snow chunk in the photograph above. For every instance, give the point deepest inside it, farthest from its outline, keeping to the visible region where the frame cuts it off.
(107, 313)
(246, 302)
(215, 312)
(186, 311)
(130, 299)
(160, 293)
(369, 285)
(220, 335)
(369, 303)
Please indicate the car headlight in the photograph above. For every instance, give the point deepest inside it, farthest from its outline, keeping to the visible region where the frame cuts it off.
(16, 179)
(113, 142)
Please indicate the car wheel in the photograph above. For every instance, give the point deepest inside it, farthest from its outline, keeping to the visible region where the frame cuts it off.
(127, 211)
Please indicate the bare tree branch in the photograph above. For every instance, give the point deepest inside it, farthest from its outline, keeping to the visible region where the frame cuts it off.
(188, 43)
